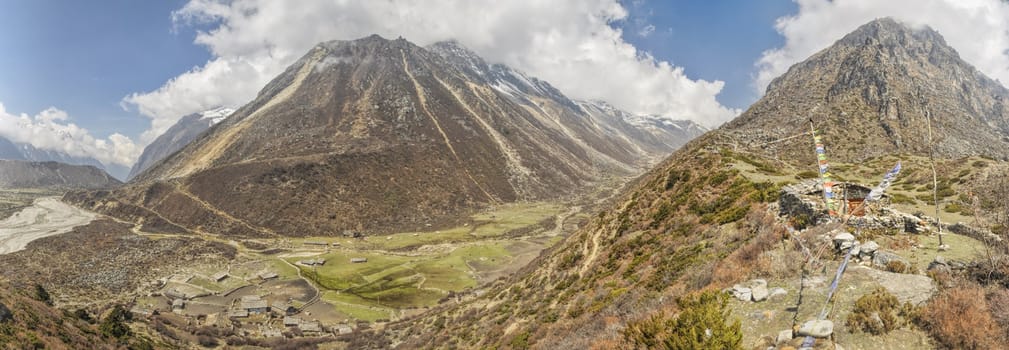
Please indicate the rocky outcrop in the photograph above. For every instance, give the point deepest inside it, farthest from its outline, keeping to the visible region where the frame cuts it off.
(870, 94)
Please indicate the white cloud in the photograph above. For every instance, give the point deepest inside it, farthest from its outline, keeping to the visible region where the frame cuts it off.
(50, 130)
(646, 30)
(566, 42)
(977, 29)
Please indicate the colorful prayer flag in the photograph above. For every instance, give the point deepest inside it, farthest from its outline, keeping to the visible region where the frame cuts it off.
(877, 192)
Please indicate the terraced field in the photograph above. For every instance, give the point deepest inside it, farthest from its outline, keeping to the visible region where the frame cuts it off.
(404, 274)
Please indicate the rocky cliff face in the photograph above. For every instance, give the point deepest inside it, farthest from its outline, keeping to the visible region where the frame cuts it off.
(873, 93)
(178, 136)
(379, 135)
(23, 174)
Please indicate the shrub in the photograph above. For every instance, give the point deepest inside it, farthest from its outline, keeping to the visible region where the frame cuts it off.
(898, 267)
(42, 295)
(114, 326)
(959, 319)
(701, 324)
(878, 313)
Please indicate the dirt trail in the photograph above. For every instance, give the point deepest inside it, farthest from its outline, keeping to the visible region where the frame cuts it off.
(46, 217)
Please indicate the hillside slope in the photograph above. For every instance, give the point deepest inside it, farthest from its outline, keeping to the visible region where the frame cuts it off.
(378, 135)
(26, 323)
(708, 217)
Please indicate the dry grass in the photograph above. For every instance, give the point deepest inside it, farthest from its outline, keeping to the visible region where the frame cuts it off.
(959, 318)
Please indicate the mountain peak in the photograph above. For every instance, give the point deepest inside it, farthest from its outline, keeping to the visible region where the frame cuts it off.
(887, 32)
(876, 88)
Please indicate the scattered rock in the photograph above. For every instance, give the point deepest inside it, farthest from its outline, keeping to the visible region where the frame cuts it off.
(868, 249)
(775, 292)
(817, 328)
(757, 282)
(759, 293)
(943, 247)
(784, 336)
(843, 240)
(908, 288)
(741, 293)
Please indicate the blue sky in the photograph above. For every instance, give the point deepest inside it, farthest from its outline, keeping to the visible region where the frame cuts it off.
(712, 40)
(83, 57)
(168, 58)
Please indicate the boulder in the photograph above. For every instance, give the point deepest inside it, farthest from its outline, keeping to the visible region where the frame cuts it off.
(883, 258)
(868, 249)
(757, 282)
(817, 328)
(759, 293)
(843, 240)
(741, 293)
(784, 336)
(775, 292)
(744, 295)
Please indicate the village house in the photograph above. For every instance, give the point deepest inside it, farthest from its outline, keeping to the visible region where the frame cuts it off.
(310, 327)
(254, 305)
(282, 308)
(358, 260)
(291, 321)
(267, 275)
(220, 276)
(313, 262)
(178, 304)
(342, 329)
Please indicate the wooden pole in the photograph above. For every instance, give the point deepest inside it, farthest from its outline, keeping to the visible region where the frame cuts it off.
(935, 177)
(823, 182)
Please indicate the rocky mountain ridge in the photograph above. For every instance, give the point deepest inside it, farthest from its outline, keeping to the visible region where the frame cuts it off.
(179, 135)
(874, 92)
(382, 135)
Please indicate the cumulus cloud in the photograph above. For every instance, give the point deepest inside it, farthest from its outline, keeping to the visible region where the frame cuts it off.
(977, 29)
(51, 130)
(569, 43)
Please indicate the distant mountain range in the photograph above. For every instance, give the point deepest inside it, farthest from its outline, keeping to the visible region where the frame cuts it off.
(385, 135)
(25, 151)
(25, 174)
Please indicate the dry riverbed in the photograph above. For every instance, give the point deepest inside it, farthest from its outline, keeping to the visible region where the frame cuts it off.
(48, 216)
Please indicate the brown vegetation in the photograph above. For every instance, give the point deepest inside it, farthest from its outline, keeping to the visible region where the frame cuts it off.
(960, 318)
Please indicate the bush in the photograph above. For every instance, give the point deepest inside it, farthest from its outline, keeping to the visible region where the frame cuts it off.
(879, 313)
(959, 319)
(42, 295)
(114, 325)
(701, 324)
